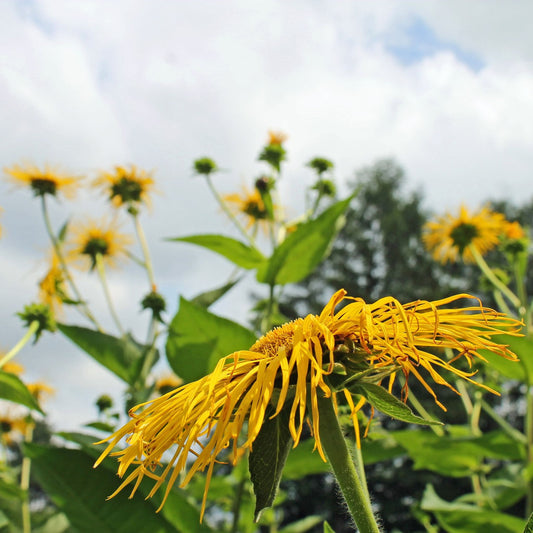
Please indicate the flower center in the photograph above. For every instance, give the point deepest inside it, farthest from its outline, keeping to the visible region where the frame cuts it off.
(5, 426)
(96, 245)
(463, 234)
(282, 337)
(42, 186)
(129, 190)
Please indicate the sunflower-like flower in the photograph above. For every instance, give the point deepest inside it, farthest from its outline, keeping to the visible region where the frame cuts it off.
(249, 205)
(276, 137)
(450, 237)
(167, 383)
(43, 182)
(99, 238)
(290, 369)
(126, 186)
(12, 428)
(52, 289)
(39, 389)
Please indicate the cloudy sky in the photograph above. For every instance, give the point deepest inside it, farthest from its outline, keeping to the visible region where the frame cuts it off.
(444, 87)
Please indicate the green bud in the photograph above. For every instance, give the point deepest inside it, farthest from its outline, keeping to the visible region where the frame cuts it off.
(40, 313)
(205, 166)
(265, 184)
(325, 187)
(156, 303)
(103, 403)
(320, 165)
(273, 154)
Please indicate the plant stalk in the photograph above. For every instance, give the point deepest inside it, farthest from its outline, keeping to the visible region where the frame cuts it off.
(343, 467)
(101, 274)
(32, 328)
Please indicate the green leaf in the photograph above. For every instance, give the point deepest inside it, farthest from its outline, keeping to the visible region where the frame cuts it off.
(267, 458)
(101, 426)
(529, 525)
(328, 528)
(207, 298)
(197, 339)
(457, 517)
(62, 233)
(300, 253)
(14, 390)
(123, 356)
(10, 490)
(4, 521)
(520, 370)
(80, 491)
(302, 461)
(379, 447)
(236, 251)
(385, 402)
(302, 525)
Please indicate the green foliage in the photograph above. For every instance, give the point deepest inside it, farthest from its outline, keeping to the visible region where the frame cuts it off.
(236, 251)
(14, 390)
(305, 248)
(123, 356)
(267, 458)
(197, 339)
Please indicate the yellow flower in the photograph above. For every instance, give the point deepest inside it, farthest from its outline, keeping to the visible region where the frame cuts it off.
(39, 389)
(289, 368)
(450, 236)
(52, 290)
(513, 230)
(12, 428)
(42, 182)
(126, 186)
(276, 137)
(12, 367)
(248, 204)
(99, 238)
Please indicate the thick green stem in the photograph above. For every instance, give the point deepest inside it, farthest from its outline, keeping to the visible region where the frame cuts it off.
(228, 212)
(32, 328)
(343, 467)
(82, 306)
(513, 298)
(103, 280)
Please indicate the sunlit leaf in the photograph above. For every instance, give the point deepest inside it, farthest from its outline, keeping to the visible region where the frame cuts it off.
(14, 390)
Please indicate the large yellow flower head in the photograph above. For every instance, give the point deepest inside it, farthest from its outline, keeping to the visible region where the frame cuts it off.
(450, 236)
(93, 239)
(126, 186)
(289, 369)
(43, 182)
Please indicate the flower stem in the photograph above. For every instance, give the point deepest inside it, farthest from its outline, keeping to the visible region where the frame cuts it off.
(529, 436)
(101, 274)
(146, 251)
(57, 249)
(228, 212)
(33, 327)
(343, 467)
(513, 298)
(25, 483)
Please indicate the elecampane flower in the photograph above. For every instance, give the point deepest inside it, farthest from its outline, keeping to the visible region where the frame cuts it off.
(449, 237)
(99, 238)
(248, 204)
(289, 368)
(42, 182)
(12, 428)
(276, 137)
(126, 186)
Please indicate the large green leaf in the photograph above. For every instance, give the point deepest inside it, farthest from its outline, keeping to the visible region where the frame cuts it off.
(236, 251)
(80, 492)
(14, 390)
(123, 356)
(197, 339)
(303, 461)
(385, 402)
(458, 517)
(303, 250)
(267, 458)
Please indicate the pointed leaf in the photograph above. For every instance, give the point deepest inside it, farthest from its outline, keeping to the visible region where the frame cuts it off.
(123, 356)
(197, 339)
(14, 390)
(520, 370)
(302, 251)
(236, 251)
(328, 528)
(302, 525)
(529, 525)
(267, 458)
(385, 402)
(207, 298)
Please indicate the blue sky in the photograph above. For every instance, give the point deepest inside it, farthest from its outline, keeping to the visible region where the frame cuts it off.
(444, 87)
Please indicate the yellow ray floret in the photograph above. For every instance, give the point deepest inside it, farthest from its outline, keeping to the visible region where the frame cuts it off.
(450, 236)
(43, 181)
(289, 368)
